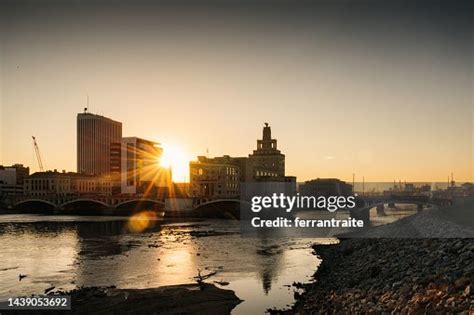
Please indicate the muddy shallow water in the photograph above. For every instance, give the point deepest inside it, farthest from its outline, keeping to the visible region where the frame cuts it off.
(70, 251)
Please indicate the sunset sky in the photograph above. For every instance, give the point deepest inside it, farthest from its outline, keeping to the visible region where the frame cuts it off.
(377, 88)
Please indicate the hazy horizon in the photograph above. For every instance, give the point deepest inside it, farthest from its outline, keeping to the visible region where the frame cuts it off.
(379, 89)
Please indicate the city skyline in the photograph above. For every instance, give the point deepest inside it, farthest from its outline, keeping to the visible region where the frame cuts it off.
(344, 94)
(175, 156)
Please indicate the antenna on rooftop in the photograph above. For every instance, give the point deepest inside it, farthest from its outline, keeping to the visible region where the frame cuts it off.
(363, 185)
(87, 106)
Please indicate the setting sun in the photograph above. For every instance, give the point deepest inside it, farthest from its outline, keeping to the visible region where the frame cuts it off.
(178, 160)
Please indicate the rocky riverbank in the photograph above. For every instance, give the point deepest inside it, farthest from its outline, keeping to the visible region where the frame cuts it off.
(382, 276)
(393, 276)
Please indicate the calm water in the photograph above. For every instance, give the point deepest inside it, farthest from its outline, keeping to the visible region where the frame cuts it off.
(71, 251)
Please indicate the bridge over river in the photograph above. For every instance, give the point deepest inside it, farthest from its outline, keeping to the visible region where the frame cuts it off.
(110, 205)
(366, 203)
(224, 208)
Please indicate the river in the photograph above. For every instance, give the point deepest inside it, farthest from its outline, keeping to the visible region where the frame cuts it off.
(72, 251)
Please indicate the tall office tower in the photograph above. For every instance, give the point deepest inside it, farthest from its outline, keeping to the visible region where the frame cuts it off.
(95, 134)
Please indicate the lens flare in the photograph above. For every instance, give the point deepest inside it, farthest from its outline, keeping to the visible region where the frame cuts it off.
(141, 221)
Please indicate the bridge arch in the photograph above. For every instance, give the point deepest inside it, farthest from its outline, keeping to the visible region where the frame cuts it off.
(364, 212)
(123, 204)
(83, 201)
(221, 208)
(220, 201)
(28, 204)
(400, 202)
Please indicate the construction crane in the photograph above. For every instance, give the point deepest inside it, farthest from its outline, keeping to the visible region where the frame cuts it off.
(38, 155)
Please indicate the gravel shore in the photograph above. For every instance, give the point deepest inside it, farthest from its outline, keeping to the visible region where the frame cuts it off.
(385, 276)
